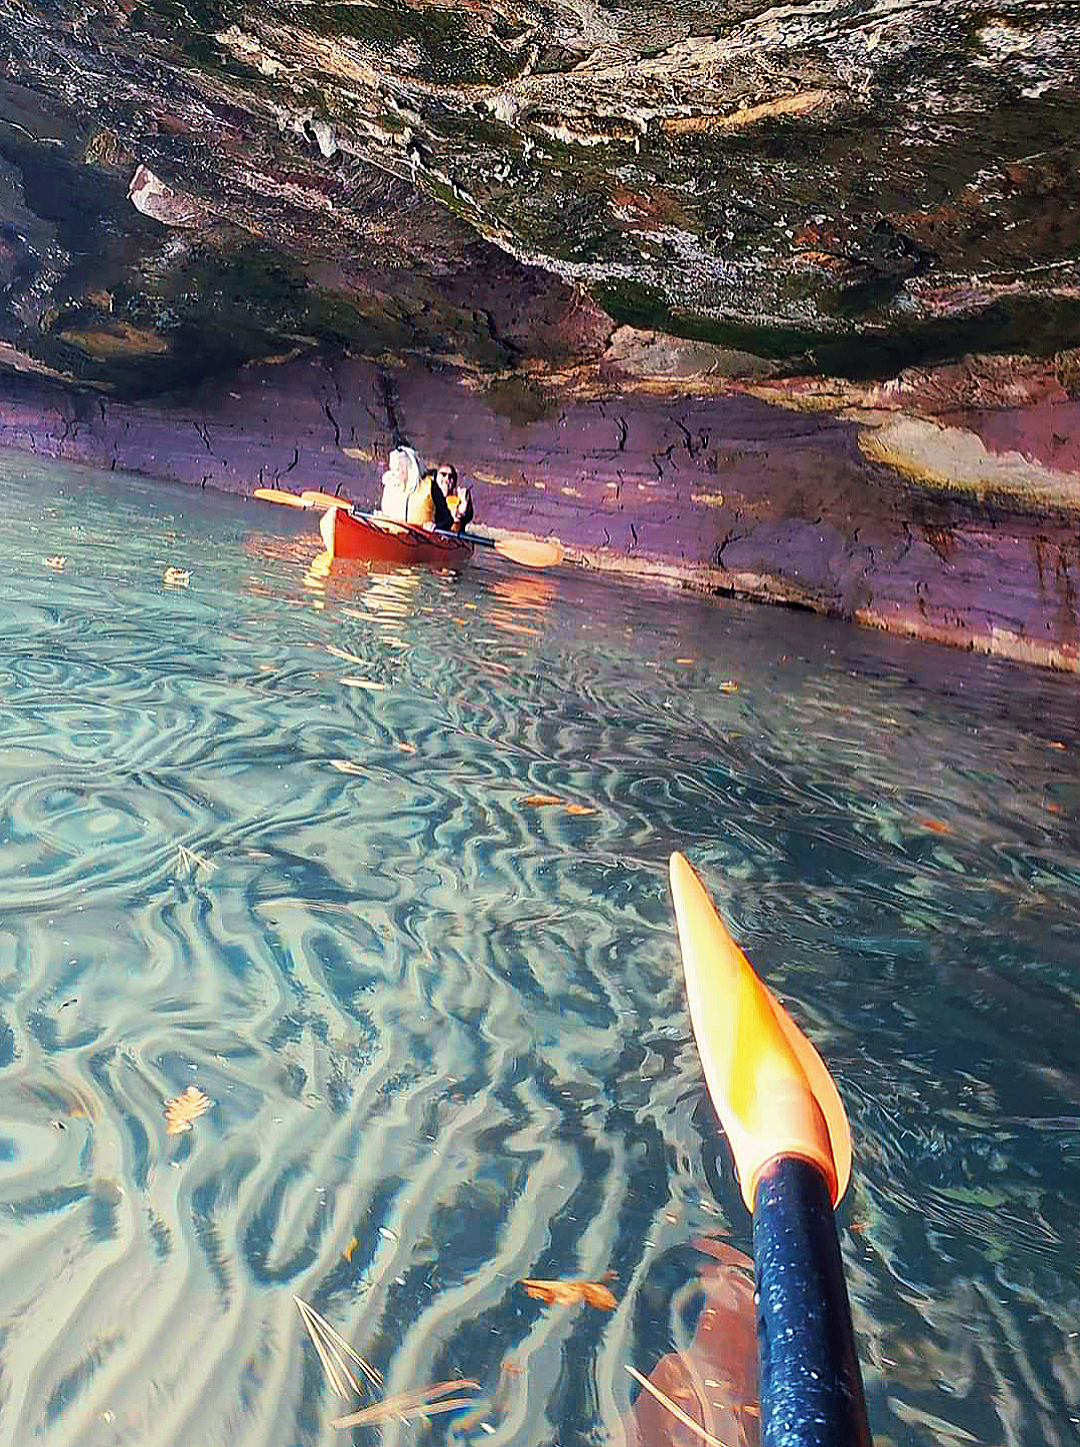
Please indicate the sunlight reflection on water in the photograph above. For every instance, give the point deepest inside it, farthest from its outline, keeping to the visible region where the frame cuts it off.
(377, 861)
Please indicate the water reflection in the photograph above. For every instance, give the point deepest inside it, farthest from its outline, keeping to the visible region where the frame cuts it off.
(712, 1377)
(287, 853)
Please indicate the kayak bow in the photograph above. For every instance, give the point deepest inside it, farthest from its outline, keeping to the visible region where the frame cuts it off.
(790, 1137)
(530, 552)
(349, 534)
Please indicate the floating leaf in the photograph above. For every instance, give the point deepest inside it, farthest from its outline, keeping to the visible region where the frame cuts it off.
(179, 577)
(182, 1113)
(936, 826)
(729, 686)
(346, 1255)
(345, 766)
(684, 660)
(570, 1293)
(544, 801)
(405, 748)
(57, 562)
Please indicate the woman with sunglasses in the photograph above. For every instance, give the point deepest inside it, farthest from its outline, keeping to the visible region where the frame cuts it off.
(458, 498)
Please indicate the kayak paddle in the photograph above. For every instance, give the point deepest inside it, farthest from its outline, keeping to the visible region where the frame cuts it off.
(790, 1137)
(313, 498)
(278, 494)
(531, 552)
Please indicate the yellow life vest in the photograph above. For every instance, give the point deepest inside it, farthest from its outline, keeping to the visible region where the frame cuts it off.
(406, 497)
(416, 506)
(420, 505)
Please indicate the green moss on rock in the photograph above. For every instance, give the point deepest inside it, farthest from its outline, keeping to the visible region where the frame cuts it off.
(452, 47)
(521, 400)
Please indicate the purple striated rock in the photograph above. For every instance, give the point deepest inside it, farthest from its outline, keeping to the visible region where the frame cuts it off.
(725, 493)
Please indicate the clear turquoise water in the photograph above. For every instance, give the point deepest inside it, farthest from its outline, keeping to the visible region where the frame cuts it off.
(268, 833)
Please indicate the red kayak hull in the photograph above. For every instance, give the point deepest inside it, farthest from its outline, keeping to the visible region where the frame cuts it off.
(378, 540)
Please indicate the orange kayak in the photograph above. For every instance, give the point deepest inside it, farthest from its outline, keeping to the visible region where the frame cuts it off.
(359, 535)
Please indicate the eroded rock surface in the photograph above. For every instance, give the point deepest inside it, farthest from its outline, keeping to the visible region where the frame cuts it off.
(846, 187)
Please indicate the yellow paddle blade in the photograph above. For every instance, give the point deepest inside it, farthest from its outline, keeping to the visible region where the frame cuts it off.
(278, 494)
(532, 552)
(313, 498)
(771, 1089)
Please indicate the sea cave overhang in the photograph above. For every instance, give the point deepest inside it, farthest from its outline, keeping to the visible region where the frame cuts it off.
(835, 189)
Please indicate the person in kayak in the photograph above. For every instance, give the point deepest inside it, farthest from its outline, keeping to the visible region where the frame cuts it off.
(458, 498)
(411, 497)
(444, 517)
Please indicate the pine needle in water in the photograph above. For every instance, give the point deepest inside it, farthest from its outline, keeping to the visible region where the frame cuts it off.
(330, 1346)
(675, 1411)
(422, 1403)
(345, 654)
(189, 860)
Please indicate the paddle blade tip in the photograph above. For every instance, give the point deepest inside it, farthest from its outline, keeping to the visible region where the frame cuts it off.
(530, 552)
(771, 1089)
(278, 494)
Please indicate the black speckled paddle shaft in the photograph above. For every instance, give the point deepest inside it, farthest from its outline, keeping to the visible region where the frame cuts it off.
(809, 1381)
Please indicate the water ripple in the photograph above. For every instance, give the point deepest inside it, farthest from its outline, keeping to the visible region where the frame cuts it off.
(273, 835)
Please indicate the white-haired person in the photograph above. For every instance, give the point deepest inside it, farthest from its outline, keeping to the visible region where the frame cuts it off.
(410, 496)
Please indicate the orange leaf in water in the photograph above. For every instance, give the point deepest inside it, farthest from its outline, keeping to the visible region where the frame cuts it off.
(937, 826)
(570, 1293)
(184, 1111)
(56, 562)
(538, 801)
(405, 748)
(729, 686)
(580, 809)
